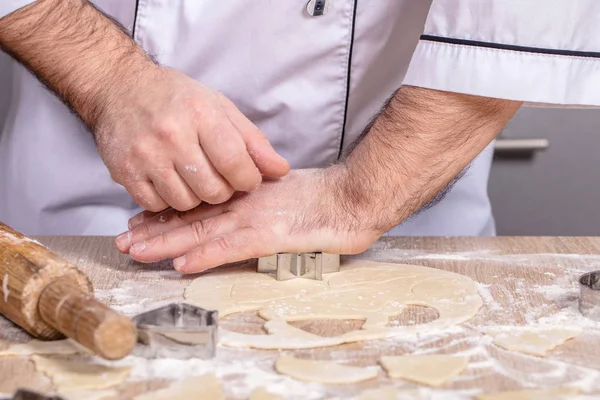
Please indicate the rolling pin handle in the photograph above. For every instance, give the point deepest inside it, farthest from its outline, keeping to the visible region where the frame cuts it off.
(78, 315)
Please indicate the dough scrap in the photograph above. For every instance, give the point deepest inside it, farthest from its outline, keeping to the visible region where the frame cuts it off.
(432, 370)
(536, 341)
(364, 290)
(66, 346)
(323, 371)
(392, 394)
(262, 394)
(75, 375)
(543, 394)
(204, 387)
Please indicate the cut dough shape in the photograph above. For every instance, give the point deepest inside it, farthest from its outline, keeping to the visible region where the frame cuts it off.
(323, 371)
(535, 341)
(391, 394)
(543, 394)
(204, 387)
(365, 290)
(432, 370)
(262, 394)
(66, 346)
(69, 376)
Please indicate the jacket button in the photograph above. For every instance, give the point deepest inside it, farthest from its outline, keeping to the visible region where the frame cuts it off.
(316, 8)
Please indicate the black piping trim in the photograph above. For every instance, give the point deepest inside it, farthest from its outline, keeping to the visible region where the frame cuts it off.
(512, 47)
(135, 17)
(348, 79)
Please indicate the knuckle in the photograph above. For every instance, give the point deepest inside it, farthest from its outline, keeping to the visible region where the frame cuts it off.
(154, 206)
(137, 152)
(217, 194)
(223, 245)
(190, 205)
(231, 162)
(199, 231)
(167, 131)
(144, 231)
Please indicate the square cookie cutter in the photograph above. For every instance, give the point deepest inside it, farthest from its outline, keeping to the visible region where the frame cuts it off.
(589, 295)
(178, 330)
(299, 265)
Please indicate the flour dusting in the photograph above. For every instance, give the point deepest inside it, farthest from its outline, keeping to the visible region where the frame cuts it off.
(546, 294)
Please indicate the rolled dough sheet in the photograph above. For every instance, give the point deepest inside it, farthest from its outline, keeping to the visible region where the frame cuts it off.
(432, 370)
(66, 346)
(365, 290)
(323, 371)
(392, 394)
(74, 375)
(543, 394)
(535, 341)
(204, 387)
(262, 394)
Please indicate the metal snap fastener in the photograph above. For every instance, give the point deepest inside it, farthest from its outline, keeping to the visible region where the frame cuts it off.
(316, 8)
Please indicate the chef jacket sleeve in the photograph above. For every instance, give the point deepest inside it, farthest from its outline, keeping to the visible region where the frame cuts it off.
(8, 6)
(536, 51)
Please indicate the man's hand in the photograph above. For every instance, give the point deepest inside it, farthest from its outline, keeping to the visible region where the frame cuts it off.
(173, 142)
(418, 144)
(298, 213)
(166, 138)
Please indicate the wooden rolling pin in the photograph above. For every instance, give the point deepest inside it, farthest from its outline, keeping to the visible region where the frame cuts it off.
(49, 298)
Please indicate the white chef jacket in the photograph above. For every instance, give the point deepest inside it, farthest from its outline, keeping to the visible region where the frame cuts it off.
(8, 6)
(311, 84)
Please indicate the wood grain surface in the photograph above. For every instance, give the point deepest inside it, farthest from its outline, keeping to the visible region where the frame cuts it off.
(522, 280)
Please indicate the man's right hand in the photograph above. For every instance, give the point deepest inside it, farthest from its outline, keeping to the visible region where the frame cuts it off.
(171, 141)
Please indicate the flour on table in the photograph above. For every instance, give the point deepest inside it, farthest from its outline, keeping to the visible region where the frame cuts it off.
(205, 387)
(74, 375)
(534, 340)
(432, 370)
(323, 371)
(262, 394)
(371, 291)
(66, 346)
(543, 394)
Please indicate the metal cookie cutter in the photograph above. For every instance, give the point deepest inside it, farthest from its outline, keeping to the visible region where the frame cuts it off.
(177, 331)
(589, 297)
(26, 394)
(299, 265)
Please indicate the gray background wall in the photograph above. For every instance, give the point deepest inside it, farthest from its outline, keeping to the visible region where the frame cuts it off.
(558, 191)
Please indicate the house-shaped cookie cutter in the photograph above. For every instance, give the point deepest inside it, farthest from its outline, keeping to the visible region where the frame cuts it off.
(287, 266)
(178, 330)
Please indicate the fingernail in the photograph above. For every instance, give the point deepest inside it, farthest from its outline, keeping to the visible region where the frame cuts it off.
(138, 247)
(135, 221)
(124, 240)
(179, 262)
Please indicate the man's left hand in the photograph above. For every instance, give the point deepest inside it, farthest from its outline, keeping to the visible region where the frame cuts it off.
(302, 212)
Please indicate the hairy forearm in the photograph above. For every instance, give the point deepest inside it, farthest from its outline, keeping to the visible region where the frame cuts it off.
(76, 51)
(418, 144)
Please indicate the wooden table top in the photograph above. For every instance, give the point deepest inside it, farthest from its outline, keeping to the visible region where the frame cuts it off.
(522, 280)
